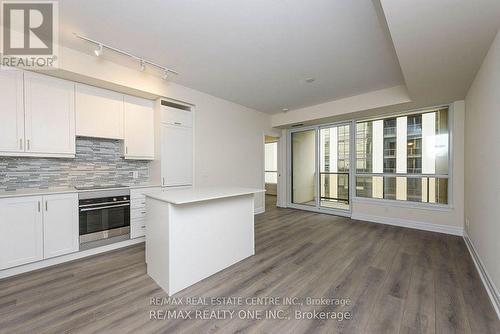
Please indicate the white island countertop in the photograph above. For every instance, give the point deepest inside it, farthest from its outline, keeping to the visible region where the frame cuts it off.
(199, 194)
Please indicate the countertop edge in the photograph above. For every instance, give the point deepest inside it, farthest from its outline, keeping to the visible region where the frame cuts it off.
(208, 198)
(56, 191)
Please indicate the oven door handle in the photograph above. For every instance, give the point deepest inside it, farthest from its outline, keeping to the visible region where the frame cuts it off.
(104, 207)
(105, 203)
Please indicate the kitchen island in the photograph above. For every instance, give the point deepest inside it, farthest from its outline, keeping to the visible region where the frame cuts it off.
(196, 232)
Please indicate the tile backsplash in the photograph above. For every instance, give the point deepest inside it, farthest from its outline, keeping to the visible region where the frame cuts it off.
(97, 162)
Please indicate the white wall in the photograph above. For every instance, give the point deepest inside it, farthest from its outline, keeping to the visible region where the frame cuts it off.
(444, 220)
(376, 99)
(482, 153)
(229, 147)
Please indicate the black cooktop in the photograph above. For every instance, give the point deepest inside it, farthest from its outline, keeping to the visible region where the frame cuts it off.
(99, 187)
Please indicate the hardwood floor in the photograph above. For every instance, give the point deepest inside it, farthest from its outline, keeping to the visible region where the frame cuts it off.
(397, 280)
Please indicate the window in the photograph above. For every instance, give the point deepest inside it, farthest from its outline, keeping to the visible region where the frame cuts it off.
(404, 158)
(271, 161)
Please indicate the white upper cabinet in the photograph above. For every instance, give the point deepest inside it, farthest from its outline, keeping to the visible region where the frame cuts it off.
(177, 155)
(50, 115)
(99, 112)
(139, 128)
(21, 227)
(60, 225)
(11, 111)
(179, 115)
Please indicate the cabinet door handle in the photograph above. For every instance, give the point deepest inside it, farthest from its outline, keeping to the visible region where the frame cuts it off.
(28, 144)
(20, 143)
(38, 206)
(126, 149)
(177, 123)
(163, 181)
(46, 206)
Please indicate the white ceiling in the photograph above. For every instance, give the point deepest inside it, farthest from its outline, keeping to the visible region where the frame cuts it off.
(256, 53)
(441, 44)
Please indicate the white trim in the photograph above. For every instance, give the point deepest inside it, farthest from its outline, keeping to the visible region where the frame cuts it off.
(403, 204)
(37, 155)
(410, 112)
(66, 258)
(490, 287)
(258, 211)
(453, 230)
(321, 209)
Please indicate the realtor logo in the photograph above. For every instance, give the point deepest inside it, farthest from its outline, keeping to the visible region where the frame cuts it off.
(29, 34)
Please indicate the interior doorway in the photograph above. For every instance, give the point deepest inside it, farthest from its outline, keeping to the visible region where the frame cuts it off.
(271, 174)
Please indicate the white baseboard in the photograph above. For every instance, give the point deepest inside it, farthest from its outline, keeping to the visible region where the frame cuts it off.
(66, 258)
(453, 230)
(257, 211)
(490, 287)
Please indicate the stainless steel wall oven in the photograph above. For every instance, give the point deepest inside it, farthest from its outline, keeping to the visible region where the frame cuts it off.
(104, 214)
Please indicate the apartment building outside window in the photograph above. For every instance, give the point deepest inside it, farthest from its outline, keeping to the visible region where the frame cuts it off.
(404, 158)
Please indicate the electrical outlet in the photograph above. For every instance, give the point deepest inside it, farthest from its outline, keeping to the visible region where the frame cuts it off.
(135, 174)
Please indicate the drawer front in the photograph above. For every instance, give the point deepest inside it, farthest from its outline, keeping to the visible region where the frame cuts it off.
(138, 213)
(139, 193)
(137, 229)
(138, 203)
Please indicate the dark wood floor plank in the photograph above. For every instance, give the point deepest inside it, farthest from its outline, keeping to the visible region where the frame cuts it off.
(478, 310)
(398, 280)
(451, 315)
(419, 310)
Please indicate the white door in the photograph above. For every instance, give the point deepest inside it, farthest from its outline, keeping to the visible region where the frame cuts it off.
(50, 115)
(11, 111)
(99, 112)
(139, 128)
(21, 231)
(177, 155)
(60, 225)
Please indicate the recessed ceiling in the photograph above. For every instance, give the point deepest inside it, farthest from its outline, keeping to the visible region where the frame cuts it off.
(441, 44)
(257, 53)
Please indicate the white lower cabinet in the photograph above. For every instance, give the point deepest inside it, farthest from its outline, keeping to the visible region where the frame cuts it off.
(37, 227)
(21, 231)
(60, 225)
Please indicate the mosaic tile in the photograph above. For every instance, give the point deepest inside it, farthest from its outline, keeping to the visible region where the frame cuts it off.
(97, 161)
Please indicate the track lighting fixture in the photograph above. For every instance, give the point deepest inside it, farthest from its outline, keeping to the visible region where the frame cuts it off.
(142, 62)
(98, 52)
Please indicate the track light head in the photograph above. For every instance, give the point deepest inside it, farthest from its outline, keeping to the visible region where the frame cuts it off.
(143, 65)
(98, 52)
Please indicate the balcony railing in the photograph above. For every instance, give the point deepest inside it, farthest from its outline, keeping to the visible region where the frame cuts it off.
(389, 153)
(390, 131)
(342, 189)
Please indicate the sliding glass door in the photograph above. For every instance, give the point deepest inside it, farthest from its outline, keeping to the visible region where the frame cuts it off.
(320, 168)
(304, 167)
(334, 148)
